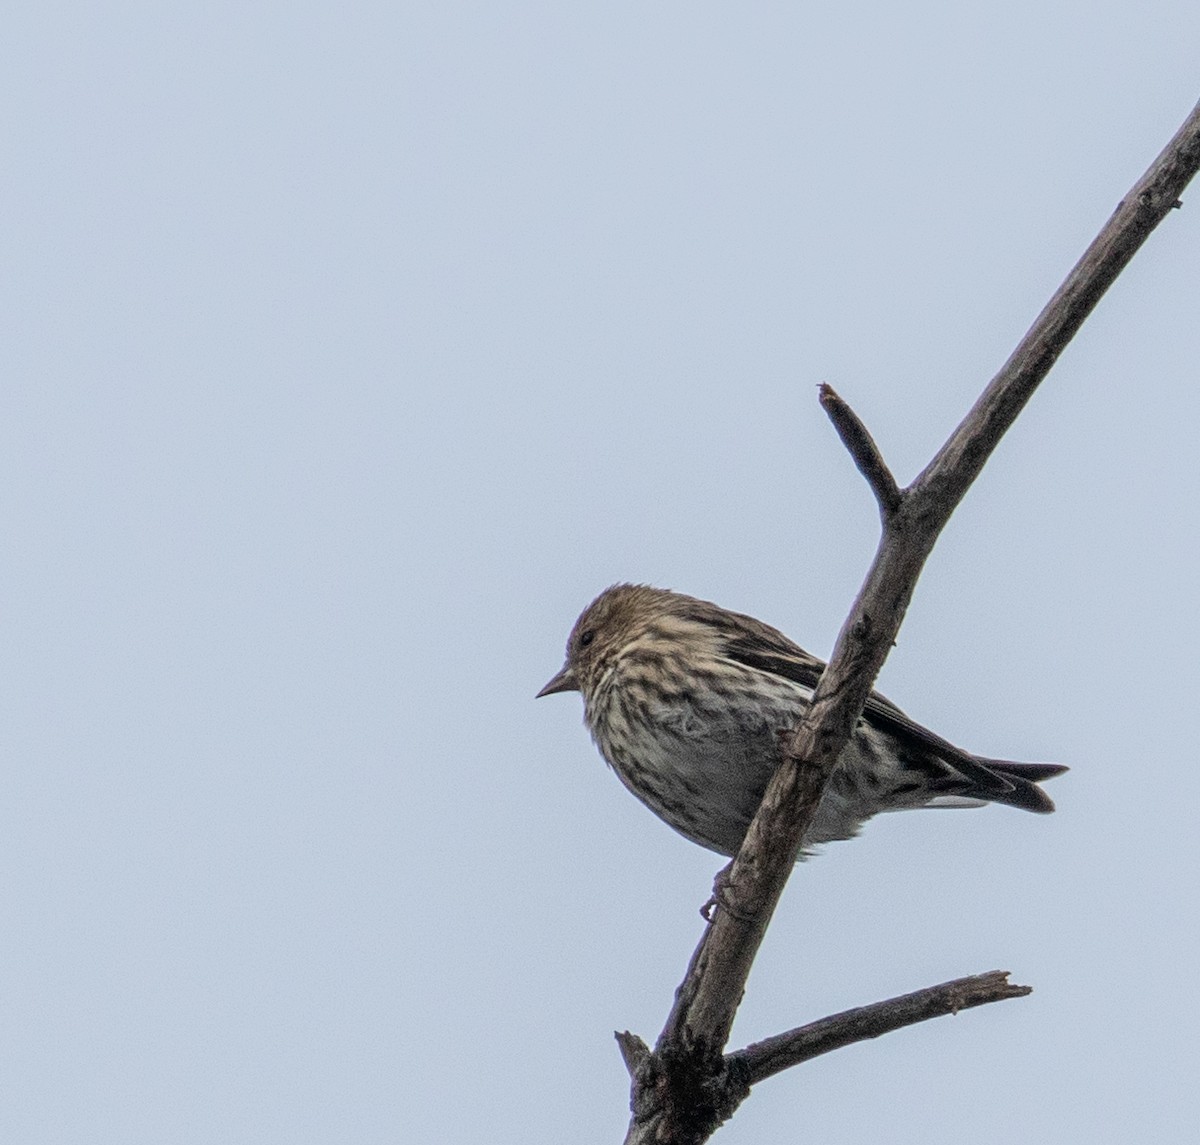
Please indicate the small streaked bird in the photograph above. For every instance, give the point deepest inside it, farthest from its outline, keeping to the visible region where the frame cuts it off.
(691, 705)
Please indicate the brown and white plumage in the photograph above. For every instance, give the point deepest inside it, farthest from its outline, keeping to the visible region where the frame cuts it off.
(688, 702)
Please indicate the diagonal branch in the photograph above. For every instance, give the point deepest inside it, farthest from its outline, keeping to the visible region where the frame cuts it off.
(773, 1055)
(698, 1026)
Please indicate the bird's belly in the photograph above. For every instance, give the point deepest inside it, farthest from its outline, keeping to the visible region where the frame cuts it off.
(708, 786)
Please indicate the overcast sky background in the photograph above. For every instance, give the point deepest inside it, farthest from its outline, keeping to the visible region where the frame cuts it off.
(349, 351)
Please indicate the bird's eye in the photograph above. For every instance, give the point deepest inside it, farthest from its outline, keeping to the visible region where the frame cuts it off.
(585, 638)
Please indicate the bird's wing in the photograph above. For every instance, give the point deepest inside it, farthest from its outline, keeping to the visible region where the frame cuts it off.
(882, 714)
(773, 652)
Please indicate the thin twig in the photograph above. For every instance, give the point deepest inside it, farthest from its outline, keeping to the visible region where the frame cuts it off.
(858, 440)
(773, 1055)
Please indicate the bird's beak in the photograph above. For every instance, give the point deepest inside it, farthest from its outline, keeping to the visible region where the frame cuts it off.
(564, 682)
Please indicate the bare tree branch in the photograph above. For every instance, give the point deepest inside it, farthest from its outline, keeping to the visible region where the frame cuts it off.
(672, 1100)
(773, 1055)
(856, 438)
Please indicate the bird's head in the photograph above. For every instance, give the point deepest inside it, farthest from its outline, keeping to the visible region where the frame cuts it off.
(617, 617)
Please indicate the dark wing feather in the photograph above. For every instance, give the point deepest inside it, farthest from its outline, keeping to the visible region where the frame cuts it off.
(883, 714)
(778, 655)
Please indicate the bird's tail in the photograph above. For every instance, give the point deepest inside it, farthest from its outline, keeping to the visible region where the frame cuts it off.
(1024, 778)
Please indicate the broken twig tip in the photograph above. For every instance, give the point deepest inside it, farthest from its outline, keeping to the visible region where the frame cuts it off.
(862, 448)
(634, 1052)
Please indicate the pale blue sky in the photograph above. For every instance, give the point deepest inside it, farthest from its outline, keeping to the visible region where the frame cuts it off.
(349, 351)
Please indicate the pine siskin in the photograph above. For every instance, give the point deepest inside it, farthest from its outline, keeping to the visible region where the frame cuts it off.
(691, 704)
